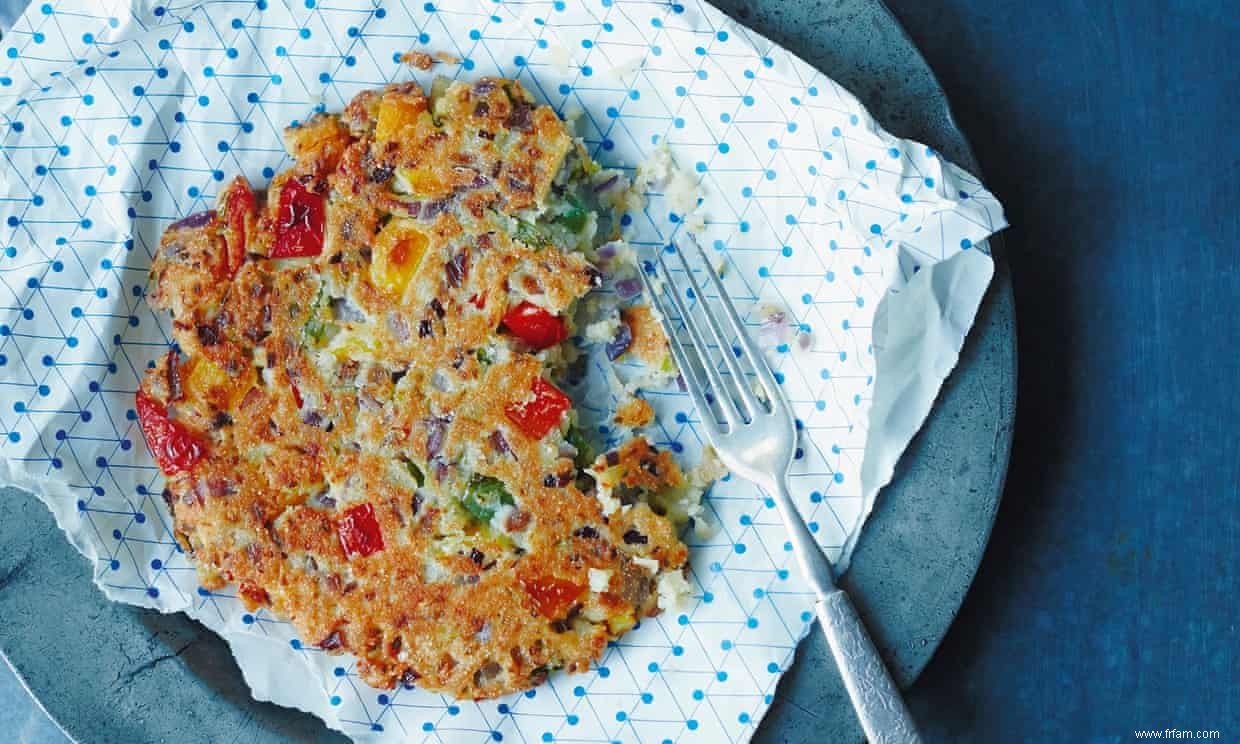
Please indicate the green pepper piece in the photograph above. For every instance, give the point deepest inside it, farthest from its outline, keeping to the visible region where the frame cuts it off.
(415, 471)
(585, 453)
(483, 496)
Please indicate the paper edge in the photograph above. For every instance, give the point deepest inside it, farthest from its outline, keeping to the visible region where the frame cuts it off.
(970, 273)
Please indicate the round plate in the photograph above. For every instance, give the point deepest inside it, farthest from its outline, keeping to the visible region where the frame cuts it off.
(914, 563)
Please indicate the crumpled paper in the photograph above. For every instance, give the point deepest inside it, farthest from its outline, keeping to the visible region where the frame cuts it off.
(118, 117)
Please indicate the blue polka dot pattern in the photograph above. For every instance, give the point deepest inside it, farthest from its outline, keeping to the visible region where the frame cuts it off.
(112, 127)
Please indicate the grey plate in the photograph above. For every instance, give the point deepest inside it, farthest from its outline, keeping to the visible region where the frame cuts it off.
(910, 572)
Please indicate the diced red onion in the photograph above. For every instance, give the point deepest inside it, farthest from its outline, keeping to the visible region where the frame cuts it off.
(477, 182)
(198, 219)
(439, 469)
(628, 287)
(499, 443)
(607, 251)
(457, 269)
(605, 185)
(322, 500)
(347, 311)
(436, 427)
(620, 342)
(432, 209)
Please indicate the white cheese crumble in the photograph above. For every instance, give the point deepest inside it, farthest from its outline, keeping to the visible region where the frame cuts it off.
(679, 186)
(600, 580)
(602, 331)
(649, 564)
(673, 590)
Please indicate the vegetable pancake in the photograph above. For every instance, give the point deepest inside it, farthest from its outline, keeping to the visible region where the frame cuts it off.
(362, 429)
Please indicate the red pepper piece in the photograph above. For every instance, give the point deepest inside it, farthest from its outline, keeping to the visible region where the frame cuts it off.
(359, 531)
(535, 326)
(551, 596)
(174, 447)
(299, 222)
(539, 414)
(239, 213)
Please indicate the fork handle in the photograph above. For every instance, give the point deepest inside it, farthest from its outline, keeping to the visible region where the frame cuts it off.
(873, 693)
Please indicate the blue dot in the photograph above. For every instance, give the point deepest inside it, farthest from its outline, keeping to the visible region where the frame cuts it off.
(572, 719)
(929, 183)
(751, 622)
(966, 244)
(747, 100)
(428, 726)
(587, 71)
(681, 90)
(276, 79)
(723, 148)
(739, 548)
(682, 620)
(579, 691)
(621, 715)
(876, 229)
(304, 33)
(691, 724)
(152, 592)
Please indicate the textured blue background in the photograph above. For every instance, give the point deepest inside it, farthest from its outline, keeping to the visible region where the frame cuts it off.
(1106, 601)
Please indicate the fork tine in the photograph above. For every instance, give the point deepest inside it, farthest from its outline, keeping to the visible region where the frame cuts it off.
(762, 370)
(751, 403)
(726, 406)
(681, 355)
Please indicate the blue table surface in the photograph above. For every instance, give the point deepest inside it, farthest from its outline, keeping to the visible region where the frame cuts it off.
(1106, 600)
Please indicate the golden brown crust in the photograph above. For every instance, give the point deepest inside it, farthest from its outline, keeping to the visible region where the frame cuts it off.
(370, 385)
(649, 344)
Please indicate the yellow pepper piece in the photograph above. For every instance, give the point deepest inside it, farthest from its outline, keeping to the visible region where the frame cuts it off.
(398, 252)
(395, 113)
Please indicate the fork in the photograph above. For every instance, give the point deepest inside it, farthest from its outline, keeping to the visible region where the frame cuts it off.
(757, 441)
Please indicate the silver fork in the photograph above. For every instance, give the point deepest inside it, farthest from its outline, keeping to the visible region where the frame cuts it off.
(757, 442)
